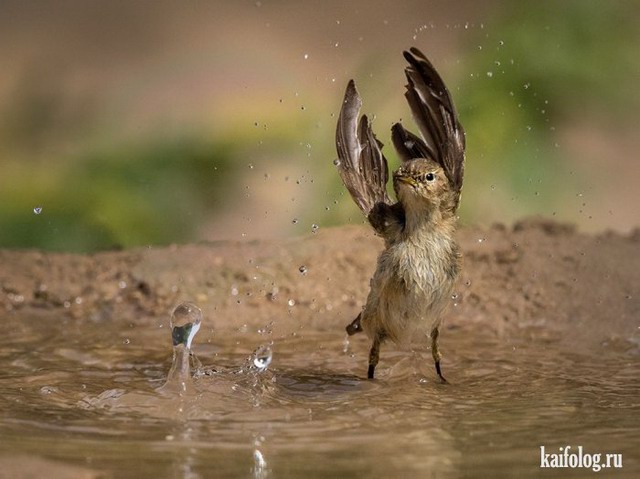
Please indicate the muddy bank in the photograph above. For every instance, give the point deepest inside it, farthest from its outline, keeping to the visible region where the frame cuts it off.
(539, 280)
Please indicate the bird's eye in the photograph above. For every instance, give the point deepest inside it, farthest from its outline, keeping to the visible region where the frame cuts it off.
(430, 177)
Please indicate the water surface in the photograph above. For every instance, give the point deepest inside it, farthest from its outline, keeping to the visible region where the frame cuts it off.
(83, 394)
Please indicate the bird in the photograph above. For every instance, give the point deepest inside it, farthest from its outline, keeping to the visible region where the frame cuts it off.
(416, 271)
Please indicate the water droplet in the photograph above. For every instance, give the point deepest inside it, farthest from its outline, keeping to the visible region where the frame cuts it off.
(336, 162)
(501, 43)
(37, 210)
(493, 187)
(291, 302)
(126, 341)
(314, 228)
(526, 86)
(294, 221)
(345, 344)
(268, 329)
(489, 74)
(185, 323)
(303, 269)
(306, 55)
(234, 291)
(262, 357)
(481, 240)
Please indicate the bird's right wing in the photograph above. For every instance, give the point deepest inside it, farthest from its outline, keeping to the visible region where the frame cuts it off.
(362, 165)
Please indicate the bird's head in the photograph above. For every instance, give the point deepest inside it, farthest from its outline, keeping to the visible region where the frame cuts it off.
(421, 185)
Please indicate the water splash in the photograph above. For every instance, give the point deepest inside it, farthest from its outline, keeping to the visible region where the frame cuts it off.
(260, 470)
(185, 323)
(262, 357)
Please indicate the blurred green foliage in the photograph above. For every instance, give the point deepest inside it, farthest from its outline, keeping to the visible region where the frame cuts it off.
(129, 195)
(536, 66)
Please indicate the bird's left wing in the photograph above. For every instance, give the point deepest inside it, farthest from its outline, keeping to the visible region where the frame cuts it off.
(435, 114)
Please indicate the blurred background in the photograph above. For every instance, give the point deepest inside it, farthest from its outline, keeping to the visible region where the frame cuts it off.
(128, 124)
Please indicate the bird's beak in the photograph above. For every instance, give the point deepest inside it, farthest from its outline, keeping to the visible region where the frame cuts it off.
(406, 179)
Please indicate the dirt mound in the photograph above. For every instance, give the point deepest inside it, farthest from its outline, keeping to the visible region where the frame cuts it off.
(540, 280)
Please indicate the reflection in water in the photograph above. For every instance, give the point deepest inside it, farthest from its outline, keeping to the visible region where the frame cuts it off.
(309, 410)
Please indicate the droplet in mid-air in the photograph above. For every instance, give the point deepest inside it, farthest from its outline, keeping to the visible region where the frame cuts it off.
(336, 162)
(185, 323)
(314, 228)
(262, 357)
(302, 269)
(37, 210)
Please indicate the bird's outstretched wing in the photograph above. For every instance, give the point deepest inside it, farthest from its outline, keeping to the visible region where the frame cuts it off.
(362, 165)
(443, 137)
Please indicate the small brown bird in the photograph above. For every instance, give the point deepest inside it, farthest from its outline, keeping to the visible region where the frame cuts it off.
(415, 275)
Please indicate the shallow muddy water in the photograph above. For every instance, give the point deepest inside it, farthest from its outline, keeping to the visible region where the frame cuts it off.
(84, 395)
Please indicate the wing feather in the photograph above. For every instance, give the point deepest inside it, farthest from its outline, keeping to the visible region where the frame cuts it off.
(363, 168)
(410, 146)
(435, 114)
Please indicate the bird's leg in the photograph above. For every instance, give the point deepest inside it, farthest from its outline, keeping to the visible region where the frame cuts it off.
(374, 354)
(435, 352)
